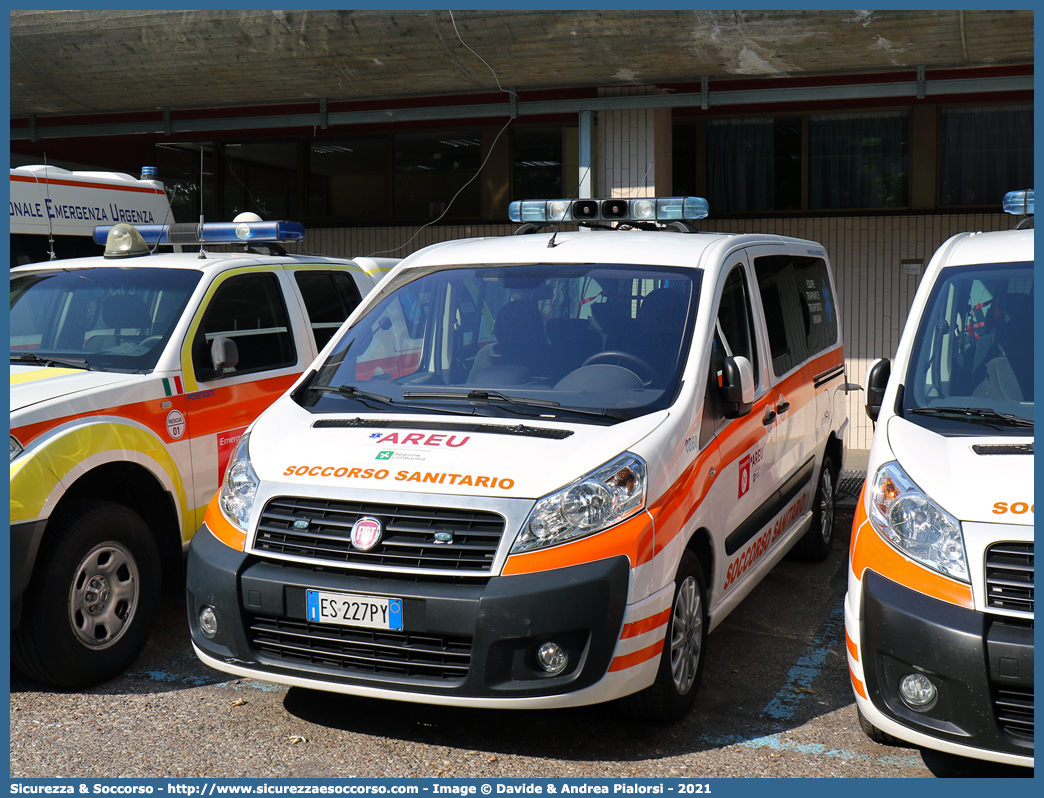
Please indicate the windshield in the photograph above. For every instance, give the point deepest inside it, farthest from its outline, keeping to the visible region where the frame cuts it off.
(589, 342)
(107, 319)
(972, 367)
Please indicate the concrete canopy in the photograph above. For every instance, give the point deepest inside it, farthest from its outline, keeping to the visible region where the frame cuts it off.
(106, 62)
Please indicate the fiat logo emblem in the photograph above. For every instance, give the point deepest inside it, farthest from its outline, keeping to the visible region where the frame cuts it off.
(366, 533)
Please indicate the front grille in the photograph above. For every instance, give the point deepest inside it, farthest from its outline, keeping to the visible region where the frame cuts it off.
(1014, 712)
(365, 651)
(409, 539)
(1009, 576)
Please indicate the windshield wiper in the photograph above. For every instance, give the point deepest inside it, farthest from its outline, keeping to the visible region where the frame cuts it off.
(32, 357)
(498, 398)
(976, 415)
(351, 392)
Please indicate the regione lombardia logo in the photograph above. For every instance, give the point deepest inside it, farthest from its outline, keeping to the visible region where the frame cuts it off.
(366, 533)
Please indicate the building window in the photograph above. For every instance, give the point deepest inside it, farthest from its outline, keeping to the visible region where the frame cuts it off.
(261, 178)
(432, 170)
(754, 164)
(185, 168)
(985, 152)
(538, 163)
(858, 160)
(348, 180)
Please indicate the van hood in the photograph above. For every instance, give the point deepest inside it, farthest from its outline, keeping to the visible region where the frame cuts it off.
(970, 477)
(33, 384)
(476, 456)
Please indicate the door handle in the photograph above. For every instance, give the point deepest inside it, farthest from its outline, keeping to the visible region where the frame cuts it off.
(782, 407)
(770, 416)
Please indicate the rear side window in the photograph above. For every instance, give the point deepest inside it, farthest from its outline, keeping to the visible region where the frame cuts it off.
(329, 298)
(800, 312)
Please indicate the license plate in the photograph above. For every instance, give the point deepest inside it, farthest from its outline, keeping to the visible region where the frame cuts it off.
(349, 609)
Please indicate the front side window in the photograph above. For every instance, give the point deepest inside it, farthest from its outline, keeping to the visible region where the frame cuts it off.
(248, 309)
(109, 319)
(800, 313)
(971, 372)
(595, 341)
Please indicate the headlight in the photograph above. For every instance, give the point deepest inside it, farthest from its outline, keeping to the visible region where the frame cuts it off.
(240, 486)
(922, 530)
(605, 497)
(16, 448)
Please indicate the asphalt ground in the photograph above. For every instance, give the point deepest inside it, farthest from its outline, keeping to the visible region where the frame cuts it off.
(775, 702)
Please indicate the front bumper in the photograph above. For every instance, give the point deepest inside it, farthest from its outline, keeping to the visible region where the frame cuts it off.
(982, 666)
(463, 640)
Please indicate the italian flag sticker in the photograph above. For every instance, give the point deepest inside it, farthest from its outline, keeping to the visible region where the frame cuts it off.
(172, 386)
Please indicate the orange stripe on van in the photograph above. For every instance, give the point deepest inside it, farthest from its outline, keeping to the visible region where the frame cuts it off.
(870, 551)
(221, 528)
(858, 685)
(853, 649)
(209, 417)
(675, 507)
(637, 658)
(645, 625)
(633, 538)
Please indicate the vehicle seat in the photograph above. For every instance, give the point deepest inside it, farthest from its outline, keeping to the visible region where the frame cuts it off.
(572, 342)
(521, 341)
(121, 312)
(660, 319)
(1007, 370)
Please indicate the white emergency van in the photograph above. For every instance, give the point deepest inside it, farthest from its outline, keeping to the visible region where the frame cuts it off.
(535, 470)
(54, 211)
(939, 611)
(132, 377)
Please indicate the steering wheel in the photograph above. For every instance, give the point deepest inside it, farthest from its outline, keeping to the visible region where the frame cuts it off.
(646, 373)
(151, 341)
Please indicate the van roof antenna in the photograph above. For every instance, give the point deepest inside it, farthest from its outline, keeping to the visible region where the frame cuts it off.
(199, 230)
(558, 224)
(47, 189)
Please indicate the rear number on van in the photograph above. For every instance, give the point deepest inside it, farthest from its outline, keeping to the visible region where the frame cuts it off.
(349, 609)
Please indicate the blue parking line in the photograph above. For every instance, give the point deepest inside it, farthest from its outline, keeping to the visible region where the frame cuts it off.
(774, 742)
(808, 666)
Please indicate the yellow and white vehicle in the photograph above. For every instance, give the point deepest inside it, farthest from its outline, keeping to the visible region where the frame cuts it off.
(54, 211)
(132, 377)
(939, 610)
(534, 471)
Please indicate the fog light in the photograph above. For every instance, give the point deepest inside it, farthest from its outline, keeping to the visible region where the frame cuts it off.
(208, 622)
(917, 691)
(552, 658)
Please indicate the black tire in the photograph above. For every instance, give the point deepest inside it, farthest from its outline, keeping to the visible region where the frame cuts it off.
(95, 591)
(685, 644)
(815, 544)
(875, 734)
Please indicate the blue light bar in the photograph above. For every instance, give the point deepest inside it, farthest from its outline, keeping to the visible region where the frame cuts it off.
(642, 209)
(213, 232)
(1019, 203)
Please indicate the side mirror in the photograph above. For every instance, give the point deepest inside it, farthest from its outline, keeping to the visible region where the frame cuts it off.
(224, 354)
(736, 390)
(877, 375)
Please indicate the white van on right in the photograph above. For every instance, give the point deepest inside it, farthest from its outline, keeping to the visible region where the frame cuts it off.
(939, 611)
